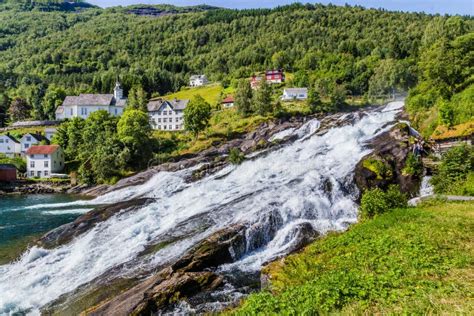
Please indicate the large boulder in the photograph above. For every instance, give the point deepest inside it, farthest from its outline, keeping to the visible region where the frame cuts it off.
(384, 166)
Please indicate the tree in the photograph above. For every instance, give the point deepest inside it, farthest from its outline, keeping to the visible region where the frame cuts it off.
(4, 103)
(134, 132)
(197, 115)
(19, 109)
(52, 99)
(314, 100)
(263, 98)
(137, 99)
(338, 97)
(243, 98)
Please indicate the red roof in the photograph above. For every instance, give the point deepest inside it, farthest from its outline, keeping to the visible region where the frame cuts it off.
(229, 99)
(42, 150)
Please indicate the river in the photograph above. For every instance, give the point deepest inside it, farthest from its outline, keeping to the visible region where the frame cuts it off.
(276, 196)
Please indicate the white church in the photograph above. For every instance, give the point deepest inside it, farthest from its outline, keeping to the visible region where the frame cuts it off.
(85, 104)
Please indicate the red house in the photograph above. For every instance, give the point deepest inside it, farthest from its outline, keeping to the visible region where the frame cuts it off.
(7, 173)
(275, 76)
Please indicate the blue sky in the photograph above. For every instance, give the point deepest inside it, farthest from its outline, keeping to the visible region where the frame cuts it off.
(465, 7)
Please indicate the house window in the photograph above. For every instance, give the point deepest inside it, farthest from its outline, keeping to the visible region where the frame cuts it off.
(164, 126)
(27, 145)
(159, 126)
(165, 112)
(71, 112)
(171, 126)
(115, 111)
(1, 141)
(159, 120)
(46, 173)
(28, 138)
(83, 111)
(46, 164)
(177, 119)
(165, 120)
(45, 156)
(32, 173)
(177, 126)
(32, 164)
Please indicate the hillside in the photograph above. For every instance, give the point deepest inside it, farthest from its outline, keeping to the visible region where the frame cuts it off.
(408, 261)
(367, 52)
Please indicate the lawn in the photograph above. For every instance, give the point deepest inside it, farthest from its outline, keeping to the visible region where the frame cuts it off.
(212, 93)
(408, 261)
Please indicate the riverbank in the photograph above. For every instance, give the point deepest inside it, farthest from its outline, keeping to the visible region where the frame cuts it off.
(31, 186)
(407, 261)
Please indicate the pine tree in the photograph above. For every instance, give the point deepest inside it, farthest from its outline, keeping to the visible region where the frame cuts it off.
(243, 98)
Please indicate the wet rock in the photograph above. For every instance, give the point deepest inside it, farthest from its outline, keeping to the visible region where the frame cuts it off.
(67, 232)
(384, 165)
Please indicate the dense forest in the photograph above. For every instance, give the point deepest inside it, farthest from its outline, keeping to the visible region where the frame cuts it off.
(48, 51)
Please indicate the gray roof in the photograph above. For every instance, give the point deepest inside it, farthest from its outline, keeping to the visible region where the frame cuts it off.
(177, 105)
(13, 139)
(296, 90)
(194, 77)
(93, 99)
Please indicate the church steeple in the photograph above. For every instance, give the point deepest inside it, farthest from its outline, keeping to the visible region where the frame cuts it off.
(118, 91)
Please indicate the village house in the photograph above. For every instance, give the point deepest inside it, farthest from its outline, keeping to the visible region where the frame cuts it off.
(167, 115)
(291, 94)
(49, 132)
(228, 102)
(7, 173)
(31, 139)
(43, 161)
(198, 81)
(255, 82)
(85, 104)
(275, 76)
(9, 146)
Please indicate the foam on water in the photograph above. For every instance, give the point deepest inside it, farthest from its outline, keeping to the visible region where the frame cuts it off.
(306, 182)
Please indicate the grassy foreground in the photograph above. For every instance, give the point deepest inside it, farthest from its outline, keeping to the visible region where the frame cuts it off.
(408, 261)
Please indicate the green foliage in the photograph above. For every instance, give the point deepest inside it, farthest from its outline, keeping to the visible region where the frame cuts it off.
(455, 166)
(413, 166)
(134, 131)
(196, 115)
(19, 109)
(243, 98)
(236, 157)
(137, 99)
(408, 261)
(314, 101)
(375, 201)
(18, 162)
(262, 103)
(378, 167)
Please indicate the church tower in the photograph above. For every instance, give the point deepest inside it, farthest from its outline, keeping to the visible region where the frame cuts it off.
(118, 91)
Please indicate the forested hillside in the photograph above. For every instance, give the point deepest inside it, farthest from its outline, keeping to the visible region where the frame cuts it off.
(47, 54)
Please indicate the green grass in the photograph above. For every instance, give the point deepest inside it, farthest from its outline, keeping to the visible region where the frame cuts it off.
(407, 261)
(211, 93)
(20, 131)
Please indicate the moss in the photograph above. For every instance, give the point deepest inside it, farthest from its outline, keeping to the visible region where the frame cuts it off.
(380, 168)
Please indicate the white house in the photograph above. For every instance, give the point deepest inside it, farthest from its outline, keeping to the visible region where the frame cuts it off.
(167, 114)
(9, 146)
(290, 94)
(198, 80)
(228, 102)
(42, 161)
(85, 104)
(49, 132)
(29, 140)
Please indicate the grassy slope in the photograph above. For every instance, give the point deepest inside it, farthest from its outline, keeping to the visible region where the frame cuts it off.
(211, 93)
(416, 260)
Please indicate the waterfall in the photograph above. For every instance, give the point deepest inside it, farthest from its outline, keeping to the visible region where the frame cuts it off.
(305, 184)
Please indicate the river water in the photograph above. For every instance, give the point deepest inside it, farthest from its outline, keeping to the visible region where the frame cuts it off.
(19, 218)
(276, 196)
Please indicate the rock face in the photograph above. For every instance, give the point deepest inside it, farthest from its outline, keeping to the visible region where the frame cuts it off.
(384, 165)
(67, 232)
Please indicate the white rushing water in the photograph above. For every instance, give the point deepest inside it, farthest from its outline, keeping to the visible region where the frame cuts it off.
(306, 182)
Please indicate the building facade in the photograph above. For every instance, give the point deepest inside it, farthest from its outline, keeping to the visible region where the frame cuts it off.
(228, 102)
(295, 94)
(167, 115)
(9, 146)
(28, 140)
(8, 173)
(85, 104)
(42, 161)
(198, 81)
(275, 76)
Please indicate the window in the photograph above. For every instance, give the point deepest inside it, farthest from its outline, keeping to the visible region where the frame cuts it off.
(115, 111)
(159, 126)
(28, 138)
(71, 112)
(171, 126)
(159, 120)
(46, 164)
(27, 145)
(1, 141)
(164, 126)
(46, 173)
(32, 164)
(165, 112)
(165, 120)
(177, 126)
(45, 156)
(177, 119)
(32, 173)
(83, 111)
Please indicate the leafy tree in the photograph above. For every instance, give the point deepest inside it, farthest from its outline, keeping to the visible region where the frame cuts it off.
(4, 104)
(338, 97)
(19, 109)
(262, 103)
(134, 132)
(243, 98)
(137, 99)
(314, 101)
(52, 99)
(197, 115)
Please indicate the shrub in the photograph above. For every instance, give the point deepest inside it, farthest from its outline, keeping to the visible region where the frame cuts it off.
(454, 169)
(376, 201)
(236, 156)
(413, 166)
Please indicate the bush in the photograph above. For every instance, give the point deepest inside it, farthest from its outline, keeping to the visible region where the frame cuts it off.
(376, 201)
(455, 166)
(236, 156)
(413, 166)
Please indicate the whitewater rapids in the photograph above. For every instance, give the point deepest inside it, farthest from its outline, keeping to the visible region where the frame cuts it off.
(307, 181)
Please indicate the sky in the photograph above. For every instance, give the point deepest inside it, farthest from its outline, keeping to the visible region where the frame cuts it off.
(463, 7)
